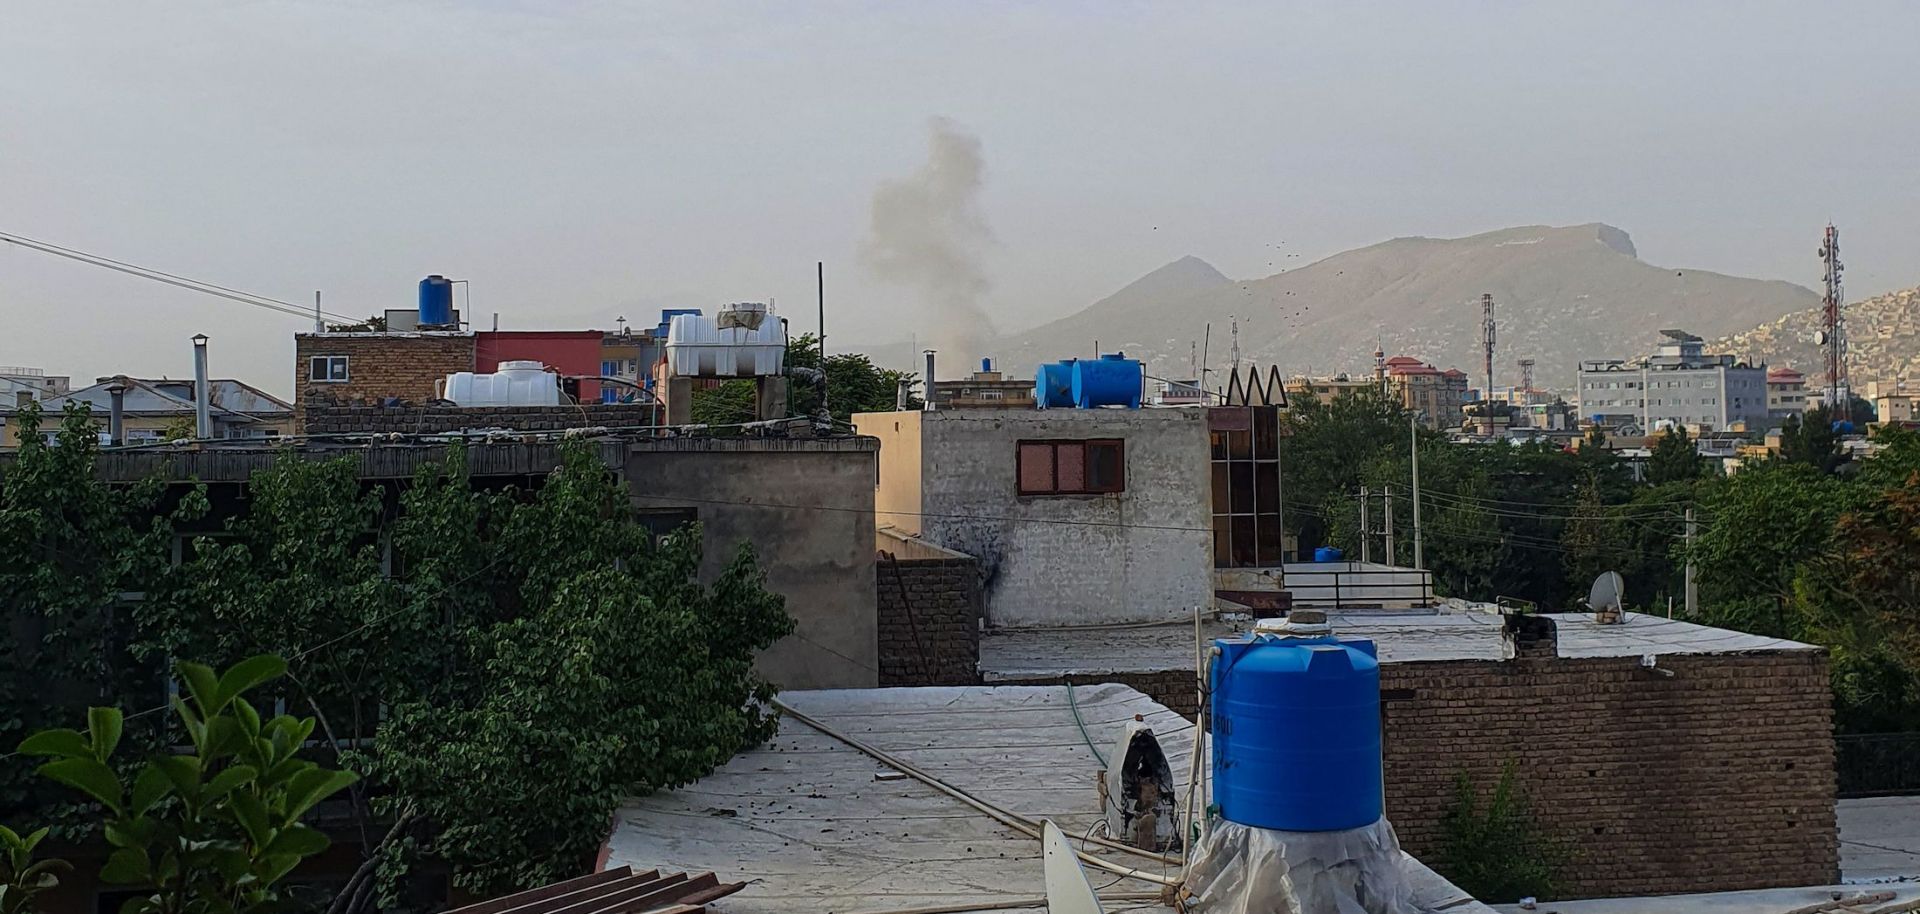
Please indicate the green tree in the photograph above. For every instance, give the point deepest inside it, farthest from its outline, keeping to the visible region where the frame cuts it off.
(1494, 850)
(854, 385)
(1762, 524)
(211, 831)
(1812, 441)
(1675, 459)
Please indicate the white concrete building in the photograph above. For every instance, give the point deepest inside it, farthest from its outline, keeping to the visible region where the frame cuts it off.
(1679, 385)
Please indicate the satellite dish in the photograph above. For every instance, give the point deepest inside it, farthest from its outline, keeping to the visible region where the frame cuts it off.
(1068, 891)
(1820, 337)
(1604, 599)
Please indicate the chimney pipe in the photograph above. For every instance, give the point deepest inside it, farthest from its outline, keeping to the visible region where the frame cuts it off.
(202, 415)
(926, 402)
(117, 412)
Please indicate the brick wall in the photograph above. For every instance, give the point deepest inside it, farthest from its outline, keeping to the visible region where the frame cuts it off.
(1717, 778)
(379, 366)
(323, 419)
(929, 614)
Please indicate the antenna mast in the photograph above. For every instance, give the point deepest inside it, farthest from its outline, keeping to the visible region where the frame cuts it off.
(1486, 339)
(1235, 326)
(1526, 374)
(1833, 333)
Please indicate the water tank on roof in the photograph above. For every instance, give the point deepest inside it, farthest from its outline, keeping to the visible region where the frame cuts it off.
(436, 301)
(699, 347)
(1053, 384)
(519, 383)
(1110, 380)
(1327, 554)
(1296, 729)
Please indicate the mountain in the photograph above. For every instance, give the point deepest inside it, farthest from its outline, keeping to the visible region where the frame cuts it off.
(1561, 294)
(1883, 340)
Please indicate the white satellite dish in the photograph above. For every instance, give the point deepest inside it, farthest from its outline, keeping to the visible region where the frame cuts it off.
(1068, 891)
(1605, 597)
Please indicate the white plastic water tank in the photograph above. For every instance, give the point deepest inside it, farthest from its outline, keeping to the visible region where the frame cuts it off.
(698, 347)
(518, 383)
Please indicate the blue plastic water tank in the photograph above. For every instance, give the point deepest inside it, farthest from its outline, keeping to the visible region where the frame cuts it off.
(1327, 554)
(436, 301)
(1296, 733)
(1110, 380)
(1053, 384)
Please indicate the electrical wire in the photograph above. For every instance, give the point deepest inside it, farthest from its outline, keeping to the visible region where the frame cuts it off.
(171, 279)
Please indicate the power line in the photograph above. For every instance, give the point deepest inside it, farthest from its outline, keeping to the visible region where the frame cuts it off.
(171, 279)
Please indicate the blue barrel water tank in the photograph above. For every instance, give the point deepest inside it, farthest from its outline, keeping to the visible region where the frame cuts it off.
(1296, 732)
(1110, 380)
(436, 301)
(1053, 384)
(1327, 554)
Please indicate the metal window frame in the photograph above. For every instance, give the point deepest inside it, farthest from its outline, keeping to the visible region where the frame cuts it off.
(1086, 463)
(346, 369)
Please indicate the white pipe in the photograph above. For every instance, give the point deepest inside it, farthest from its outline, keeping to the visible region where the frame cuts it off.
(202, 398)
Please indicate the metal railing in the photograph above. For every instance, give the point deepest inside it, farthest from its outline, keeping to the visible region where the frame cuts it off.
(1360, 589)
(1877, 764)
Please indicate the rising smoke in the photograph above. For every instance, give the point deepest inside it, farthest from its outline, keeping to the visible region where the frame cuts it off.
(928, 234)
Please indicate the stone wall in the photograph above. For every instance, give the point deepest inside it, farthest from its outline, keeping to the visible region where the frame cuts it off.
(1718, 778)
(329, 419)
(929, 616)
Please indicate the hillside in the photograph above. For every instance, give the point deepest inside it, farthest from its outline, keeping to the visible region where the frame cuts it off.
(1561, 294)
(1883, 334)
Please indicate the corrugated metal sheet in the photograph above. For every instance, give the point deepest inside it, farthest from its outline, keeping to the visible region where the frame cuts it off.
(614, 891)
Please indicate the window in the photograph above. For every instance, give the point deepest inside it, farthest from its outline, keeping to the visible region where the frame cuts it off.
(1248, 530)
(327, 369)
(1069, 467)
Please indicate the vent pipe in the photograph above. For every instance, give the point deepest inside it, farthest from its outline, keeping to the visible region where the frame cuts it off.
(926, 403)
(202, 398)
(117, 414)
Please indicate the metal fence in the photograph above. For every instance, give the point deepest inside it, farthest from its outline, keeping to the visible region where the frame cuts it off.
(1877, 764)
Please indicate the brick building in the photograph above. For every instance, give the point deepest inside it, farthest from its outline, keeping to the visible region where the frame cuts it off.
(1710, 770)
(374, 367)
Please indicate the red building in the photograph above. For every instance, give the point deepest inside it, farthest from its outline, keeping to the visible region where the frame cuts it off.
(572, 353)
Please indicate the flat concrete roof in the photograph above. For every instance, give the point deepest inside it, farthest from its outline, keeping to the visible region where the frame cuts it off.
(1402, 636)
(818, 825)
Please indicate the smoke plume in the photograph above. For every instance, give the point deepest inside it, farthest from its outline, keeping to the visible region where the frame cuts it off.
(928, 235)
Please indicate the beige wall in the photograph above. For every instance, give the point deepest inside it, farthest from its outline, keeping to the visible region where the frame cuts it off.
(897, 498)
(10, 435)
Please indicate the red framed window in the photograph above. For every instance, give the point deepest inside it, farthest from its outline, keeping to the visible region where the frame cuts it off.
(1094, 466)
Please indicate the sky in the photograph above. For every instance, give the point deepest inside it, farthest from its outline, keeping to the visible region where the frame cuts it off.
(581, 161)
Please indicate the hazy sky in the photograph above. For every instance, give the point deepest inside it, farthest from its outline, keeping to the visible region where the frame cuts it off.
(579, 161)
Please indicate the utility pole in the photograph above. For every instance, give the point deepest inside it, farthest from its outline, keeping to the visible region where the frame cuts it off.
(1386, 517)
(820, 285)
(1413, 437)
(1692, 586)
(1366, 534)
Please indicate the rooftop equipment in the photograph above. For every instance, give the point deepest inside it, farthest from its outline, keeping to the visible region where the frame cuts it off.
(1110, 380)
(1053, 384)
(702, 347)
(745, 314)
(1296, 724)
(436, 301)
(516, 383)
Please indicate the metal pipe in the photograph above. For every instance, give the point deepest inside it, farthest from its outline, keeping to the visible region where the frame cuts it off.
(926, 402)
(202, 397)
(1413, 435)
(117, 415)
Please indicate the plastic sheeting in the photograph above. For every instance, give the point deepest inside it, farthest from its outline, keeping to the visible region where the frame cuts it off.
(1245, 870)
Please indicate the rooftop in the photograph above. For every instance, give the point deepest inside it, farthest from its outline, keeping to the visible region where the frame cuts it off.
(1402, 636)
(819, 825)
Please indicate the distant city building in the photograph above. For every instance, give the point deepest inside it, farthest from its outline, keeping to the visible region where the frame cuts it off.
(150, 408)
(20, 385)
(1786, 393)
(1326, 390)
(1679, 385)
(1892, 407)
(986, 389)
(1436, 396)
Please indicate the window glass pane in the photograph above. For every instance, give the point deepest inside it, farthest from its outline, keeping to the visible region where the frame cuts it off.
(1106, 468)
(1241, 495)
(1243, 552)
(1222, 542)
(1220, 488)
(1072, 461)
(1036, 468)
(1266, 487)
(1240, 445)
(1219, 445)
(1266, 433)
(1270, 540)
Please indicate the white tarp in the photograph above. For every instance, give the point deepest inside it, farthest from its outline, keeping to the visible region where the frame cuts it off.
(1245, 870)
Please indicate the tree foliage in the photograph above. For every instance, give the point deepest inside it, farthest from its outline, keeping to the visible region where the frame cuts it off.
(22, 878)
(1493, 849)
(854, 385)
